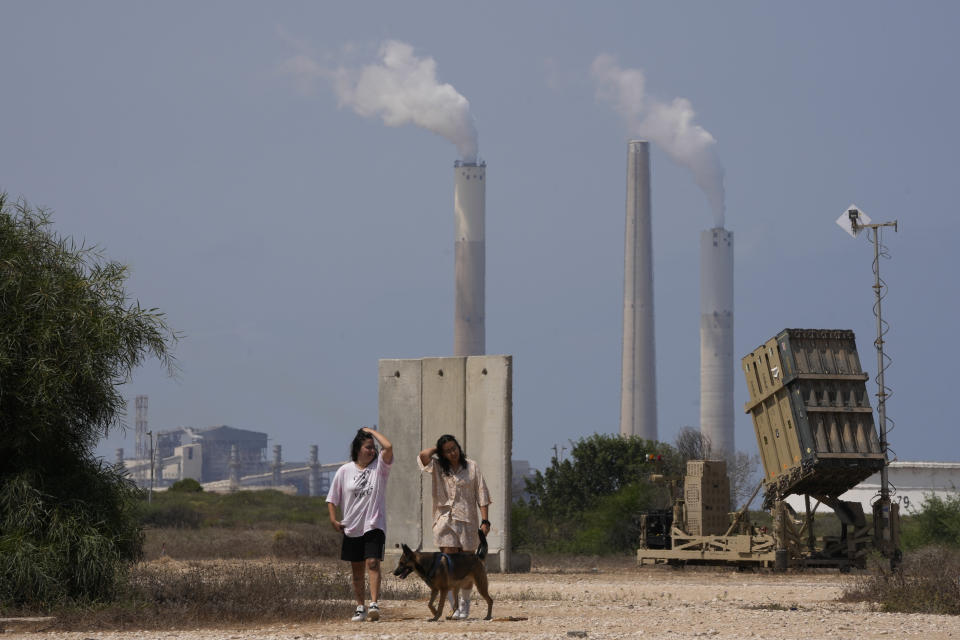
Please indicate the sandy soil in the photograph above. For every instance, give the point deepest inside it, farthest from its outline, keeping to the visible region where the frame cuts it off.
(611, 601)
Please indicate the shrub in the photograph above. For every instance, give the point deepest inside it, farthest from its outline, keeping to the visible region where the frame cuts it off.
(926, 582)
(171, 514)
(613, 526)
(53, 550)
(187, 485)
(69, 337)
(937, 523)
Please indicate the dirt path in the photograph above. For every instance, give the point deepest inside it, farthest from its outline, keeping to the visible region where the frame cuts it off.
(616, 602)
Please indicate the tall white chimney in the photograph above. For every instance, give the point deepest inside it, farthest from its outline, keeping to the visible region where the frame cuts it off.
(469, 202)
(638, 382)
(716, 338)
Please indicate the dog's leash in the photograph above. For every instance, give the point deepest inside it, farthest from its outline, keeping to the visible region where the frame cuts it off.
(437, 559)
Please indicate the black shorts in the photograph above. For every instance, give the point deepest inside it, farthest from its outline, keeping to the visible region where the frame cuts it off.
(370, 545)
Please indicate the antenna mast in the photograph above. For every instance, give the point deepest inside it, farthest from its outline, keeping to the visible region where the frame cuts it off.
(854, 221)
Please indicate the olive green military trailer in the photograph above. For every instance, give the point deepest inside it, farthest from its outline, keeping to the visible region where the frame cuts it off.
(816, 436)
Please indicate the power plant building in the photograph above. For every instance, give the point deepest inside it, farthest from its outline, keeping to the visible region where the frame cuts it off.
(216, 443)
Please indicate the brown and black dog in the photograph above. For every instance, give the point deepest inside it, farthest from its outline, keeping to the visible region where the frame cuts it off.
(444, 572)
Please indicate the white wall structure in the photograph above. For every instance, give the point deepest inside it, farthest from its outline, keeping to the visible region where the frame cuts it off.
(638, 382)
(716, 339)
(911, 483)
(191, 461)
(469, 203)
(423, 399)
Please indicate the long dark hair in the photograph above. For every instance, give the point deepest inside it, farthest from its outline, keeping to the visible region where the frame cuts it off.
(358, 440)
(444, 463)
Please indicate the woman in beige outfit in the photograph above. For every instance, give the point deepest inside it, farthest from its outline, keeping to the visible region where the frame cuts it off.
(458, 491)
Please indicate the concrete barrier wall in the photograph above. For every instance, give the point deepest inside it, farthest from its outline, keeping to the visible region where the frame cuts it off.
(400, 416)
(444, 390)
(489, 439)
(468, 397)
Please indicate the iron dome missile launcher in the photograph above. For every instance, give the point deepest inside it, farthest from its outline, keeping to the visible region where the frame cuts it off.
(816, 435)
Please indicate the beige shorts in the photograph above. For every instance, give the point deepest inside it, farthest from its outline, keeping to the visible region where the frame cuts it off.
(448, 532)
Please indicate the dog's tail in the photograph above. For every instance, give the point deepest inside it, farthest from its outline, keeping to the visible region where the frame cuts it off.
(482, 549)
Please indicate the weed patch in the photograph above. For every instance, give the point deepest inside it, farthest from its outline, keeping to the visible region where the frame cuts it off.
(926, 582)
(174, 595)
(266, 540)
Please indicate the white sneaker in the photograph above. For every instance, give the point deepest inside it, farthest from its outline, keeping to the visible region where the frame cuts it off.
(374, 613)
(360, 615)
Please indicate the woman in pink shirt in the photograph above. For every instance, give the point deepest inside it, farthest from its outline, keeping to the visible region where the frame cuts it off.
(359, 489)
(458, 491)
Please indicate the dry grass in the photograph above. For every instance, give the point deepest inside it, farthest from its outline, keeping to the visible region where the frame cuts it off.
(168, 594)
(556, 563)
(215, 576)
(292, 541)
(174, 595)
(926, 582)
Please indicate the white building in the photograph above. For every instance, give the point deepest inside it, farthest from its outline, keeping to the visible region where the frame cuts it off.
(910, 484)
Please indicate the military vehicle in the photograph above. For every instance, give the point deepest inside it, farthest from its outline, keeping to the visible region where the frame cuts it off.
(817, 439)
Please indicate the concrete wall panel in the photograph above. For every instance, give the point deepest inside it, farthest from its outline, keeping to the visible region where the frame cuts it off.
(444, 412)
(469, 398)
(489, 439)
(400, 389)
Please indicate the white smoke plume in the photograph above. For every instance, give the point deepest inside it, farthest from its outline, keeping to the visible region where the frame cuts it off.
(668, 125)
(401, 89)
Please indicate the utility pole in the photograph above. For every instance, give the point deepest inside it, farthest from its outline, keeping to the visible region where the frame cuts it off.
(558, 452)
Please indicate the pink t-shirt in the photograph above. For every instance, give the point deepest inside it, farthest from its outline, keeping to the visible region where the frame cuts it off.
(361, 495)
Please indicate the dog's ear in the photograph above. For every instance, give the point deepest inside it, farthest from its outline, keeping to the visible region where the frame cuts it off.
(406, 549)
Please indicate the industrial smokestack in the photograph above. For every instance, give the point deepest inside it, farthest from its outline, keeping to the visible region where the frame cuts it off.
(638, 382)
(277, 466)
(716, 339)
(403, 88)
(469, 203)
(314, 478)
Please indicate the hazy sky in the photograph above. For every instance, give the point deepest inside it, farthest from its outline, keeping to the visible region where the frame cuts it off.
(295, 241)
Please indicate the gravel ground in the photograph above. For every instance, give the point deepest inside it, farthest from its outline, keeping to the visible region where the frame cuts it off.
(611, 601)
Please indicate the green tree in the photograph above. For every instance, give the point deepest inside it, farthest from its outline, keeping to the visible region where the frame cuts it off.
(598, 465)
(69, 336)
(587, 503)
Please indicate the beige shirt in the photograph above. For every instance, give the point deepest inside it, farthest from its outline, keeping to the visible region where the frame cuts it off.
(457, 494)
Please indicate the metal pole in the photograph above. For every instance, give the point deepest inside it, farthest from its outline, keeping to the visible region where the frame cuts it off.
(881, 398)
(150, 492)
(884, 509)
(853, 222)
